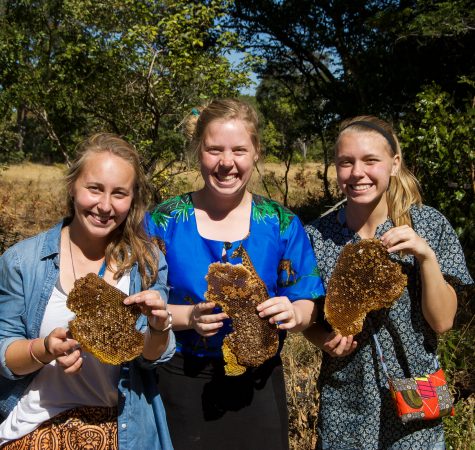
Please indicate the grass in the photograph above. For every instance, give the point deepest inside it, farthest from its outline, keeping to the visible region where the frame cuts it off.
(32, 199)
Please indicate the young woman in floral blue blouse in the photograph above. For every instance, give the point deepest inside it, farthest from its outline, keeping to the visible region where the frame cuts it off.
(224, 222)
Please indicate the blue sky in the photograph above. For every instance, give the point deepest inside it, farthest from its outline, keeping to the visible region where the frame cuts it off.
(235, 57)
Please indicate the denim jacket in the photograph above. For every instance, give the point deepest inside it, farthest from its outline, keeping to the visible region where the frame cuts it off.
(28, 272)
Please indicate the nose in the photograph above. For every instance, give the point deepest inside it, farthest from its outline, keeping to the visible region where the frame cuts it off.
(104, 204)
(357, 170)
(226, 160)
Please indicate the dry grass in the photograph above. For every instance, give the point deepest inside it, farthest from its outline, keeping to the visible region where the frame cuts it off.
(302, 365)
(304, 181)
(31, 200)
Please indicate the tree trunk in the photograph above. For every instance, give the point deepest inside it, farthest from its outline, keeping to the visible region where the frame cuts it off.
(21, 129)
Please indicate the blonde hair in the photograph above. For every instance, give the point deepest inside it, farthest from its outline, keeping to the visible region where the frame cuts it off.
(404, 189)
(130, 243)
(196, 123)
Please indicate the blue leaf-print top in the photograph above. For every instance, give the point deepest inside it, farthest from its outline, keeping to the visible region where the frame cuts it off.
(277, 246)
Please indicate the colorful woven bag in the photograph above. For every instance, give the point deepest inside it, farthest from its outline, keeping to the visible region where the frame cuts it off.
(423, 397)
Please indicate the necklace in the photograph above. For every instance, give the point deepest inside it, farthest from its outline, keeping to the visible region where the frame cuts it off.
(71, 254)
(102, 270)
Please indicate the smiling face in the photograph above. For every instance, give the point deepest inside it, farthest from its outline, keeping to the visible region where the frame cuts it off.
(364, 165)
(102, 195)
(227, 158)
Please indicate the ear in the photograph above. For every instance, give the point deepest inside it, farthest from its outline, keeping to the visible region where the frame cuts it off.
(396, 165)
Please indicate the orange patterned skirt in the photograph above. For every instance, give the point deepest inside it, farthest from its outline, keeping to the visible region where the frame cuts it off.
(91, 428)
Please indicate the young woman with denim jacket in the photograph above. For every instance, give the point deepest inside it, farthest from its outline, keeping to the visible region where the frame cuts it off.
(51, 390)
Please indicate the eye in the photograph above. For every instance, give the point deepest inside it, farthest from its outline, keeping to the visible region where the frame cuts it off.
(240, 151)
(93, 188)
(120, 194)
(213, 150)
(372, 160)
(344, 163)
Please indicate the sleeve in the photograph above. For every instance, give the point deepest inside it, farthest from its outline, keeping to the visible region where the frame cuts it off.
(299, 277)
(161, 286)
(151, 227)
(12, 307)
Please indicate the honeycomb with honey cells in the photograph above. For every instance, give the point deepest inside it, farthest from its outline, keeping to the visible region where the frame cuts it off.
(238, 291)
(103, 325)
(364, 279)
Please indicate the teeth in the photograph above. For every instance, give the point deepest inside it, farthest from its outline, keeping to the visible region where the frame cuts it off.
(226, 178)
(101, 218)
(360, 187)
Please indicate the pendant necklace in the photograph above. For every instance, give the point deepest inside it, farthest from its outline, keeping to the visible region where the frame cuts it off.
(102, 270)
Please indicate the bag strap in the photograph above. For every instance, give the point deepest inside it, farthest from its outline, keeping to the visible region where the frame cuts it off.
(379, 351)
(102, 270)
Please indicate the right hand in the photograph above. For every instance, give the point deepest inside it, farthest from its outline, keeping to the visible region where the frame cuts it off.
(204, 321)
(65, 350)
(337, 345)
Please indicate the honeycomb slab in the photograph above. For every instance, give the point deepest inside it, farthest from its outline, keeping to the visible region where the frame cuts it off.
(103, 325)
(364, 279)
(238, 291)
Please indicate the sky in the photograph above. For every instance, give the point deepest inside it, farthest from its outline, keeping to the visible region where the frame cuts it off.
(235, 57)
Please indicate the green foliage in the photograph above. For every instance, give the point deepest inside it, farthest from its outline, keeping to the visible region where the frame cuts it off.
(9, 152)
(438, 19)
(134, 68)
(272, 142)
(362, 56)
(438, 141)
(460, 429)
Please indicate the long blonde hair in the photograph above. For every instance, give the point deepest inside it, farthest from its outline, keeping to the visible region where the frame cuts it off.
(130, 243)
(221, 109)
(404, 189)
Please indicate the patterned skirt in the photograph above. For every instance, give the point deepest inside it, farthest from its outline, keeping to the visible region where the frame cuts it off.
(92, 428)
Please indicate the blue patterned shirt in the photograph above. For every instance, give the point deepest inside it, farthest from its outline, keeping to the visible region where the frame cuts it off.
(277, 246)
(356, 409)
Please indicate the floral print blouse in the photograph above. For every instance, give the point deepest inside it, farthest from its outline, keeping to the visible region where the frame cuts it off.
(277, 248)
(356, 409)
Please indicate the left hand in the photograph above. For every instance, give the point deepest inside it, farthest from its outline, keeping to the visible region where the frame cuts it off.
(152, 306)
(406, 240)
(280, 311)
(338, 346)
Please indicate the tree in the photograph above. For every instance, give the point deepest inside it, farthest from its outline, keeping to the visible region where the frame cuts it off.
(134, 68)
(438, 141)
(360, 55)
(293, 121)
(340, 59)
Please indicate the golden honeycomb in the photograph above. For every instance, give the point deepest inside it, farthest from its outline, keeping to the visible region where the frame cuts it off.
(238, 291)
(104, 326)
(364, 279)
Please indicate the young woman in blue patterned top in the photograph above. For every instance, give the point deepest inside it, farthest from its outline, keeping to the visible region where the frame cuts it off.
(224, 222)
(383, 201)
